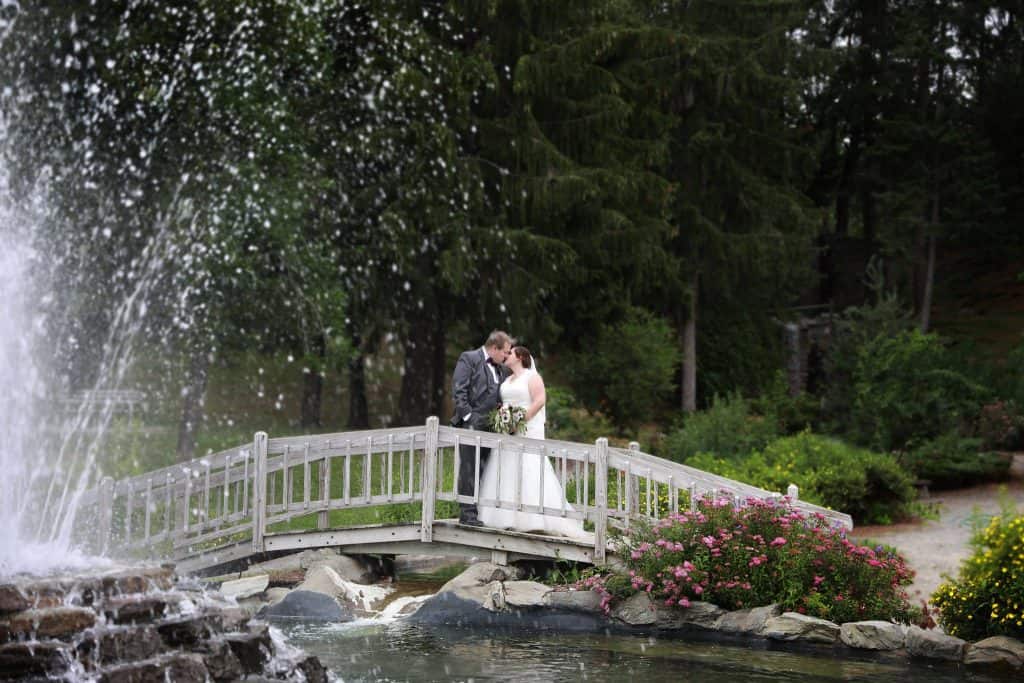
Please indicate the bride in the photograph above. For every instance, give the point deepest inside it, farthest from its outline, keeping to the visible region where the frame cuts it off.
(525, 388)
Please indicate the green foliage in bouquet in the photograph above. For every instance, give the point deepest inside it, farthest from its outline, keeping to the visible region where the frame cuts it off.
(987, 599)
(506, 419)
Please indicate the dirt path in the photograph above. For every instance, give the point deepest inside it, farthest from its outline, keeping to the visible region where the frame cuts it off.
(937, 547)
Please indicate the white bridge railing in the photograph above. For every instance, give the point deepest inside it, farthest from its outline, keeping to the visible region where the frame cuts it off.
(246, 493)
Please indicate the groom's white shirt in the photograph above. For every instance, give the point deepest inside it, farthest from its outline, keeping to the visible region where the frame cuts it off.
(494, 374)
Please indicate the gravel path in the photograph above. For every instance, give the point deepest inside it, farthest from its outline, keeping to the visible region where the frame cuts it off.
(937, 547)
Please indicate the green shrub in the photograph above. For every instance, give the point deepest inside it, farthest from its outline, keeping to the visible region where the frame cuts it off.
(628, 370)
(569, 421)
(952, 461)
(871, 487)
(763, 553)
(987, 598)
(853, 329)
(726, 429)
(791, 414)
(1010, 381)
(906, 389)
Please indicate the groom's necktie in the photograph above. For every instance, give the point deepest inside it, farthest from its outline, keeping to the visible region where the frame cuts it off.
(494, 370)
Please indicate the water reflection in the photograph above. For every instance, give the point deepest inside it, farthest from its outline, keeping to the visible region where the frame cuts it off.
(370, 651)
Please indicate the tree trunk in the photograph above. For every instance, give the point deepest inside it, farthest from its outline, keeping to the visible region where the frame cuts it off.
(416, 400)
(690, 351)
(869, 215)
(358, 409)
(845, 188)
(193, 406)
(313, 385)
(929, 277)
(439, 366)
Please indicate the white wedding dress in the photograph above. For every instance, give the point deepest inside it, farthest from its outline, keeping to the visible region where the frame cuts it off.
(498, 481)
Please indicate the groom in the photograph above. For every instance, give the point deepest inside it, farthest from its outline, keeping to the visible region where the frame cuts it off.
(478, 375)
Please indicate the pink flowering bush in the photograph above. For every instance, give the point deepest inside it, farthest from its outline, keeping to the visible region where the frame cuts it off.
(763, 553)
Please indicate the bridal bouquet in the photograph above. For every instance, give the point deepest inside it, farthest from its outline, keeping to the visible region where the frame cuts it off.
(506, 419)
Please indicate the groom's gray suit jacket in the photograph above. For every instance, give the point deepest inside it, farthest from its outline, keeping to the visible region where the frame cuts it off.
(474, 389)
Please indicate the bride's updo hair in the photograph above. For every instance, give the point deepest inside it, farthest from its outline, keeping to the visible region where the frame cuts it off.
(523, 354)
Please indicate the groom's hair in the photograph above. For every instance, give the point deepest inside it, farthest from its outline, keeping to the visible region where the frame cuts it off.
(523, 354)
(497, 339)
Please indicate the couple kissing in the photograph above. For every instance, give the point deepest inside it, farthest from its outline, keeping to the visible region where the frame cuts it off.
(494, 374)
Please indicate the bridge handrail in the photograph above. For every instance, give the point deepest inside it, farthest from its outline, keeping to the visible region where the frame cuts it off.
(240, 492)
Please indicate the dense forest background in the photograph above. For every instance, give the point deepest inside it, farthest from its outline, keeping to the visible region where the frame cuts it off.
(809, 209)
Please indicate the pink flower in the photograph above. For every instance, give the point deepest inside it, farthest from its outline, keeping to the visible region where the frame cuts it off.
(779, 541)
(818, 580)
(684, 602)
(698, 590)
(709, 541)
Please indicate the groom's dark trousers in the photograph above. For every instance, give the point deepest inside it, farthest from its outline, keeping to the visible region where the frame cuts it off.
(475, 390)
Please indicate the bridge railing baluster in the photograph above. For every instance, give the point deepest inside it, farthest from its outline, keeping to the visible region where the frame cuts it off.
(323, 518)
(306, 476)
(565, 498)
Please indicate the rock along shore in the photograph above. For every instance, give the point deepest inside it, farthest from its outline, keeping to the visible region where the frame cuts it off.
(492, 595)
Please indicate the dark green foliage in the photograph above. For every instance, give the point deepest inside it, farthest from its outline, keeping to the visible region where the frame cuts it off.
(790, 414)
(628, 370)
(852, 330)
(568, 420)
(871, 487)
(906, 389)
(954, 461)
(728, 429)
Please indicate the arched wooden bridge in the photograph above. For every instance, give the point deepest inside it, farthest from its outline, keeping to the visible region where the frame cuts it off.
(278, 494)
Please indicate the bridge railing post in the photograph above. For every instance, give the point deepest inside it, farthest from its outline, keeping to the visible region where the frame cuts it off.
(633, 486)
(429, 480)
(600, 500)
(259, 490)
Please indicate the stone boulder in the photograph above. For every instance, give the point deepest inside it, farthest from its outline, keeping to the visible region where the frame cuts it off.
(473, 583)
(996, 650)
(358, 597)
(245, 587)
(356, 569)
(747, 622)
(794, 626)
(934, 645)
(12, 599)
(525, 594)
(873, 635)
(308, 606)
(636, 610)
(52, 622)
(490, 595)
(699, 615)
(573, 601)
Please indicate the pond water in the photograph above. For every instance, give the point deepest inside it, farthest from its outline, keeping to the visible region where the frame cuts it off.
(397, 651)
